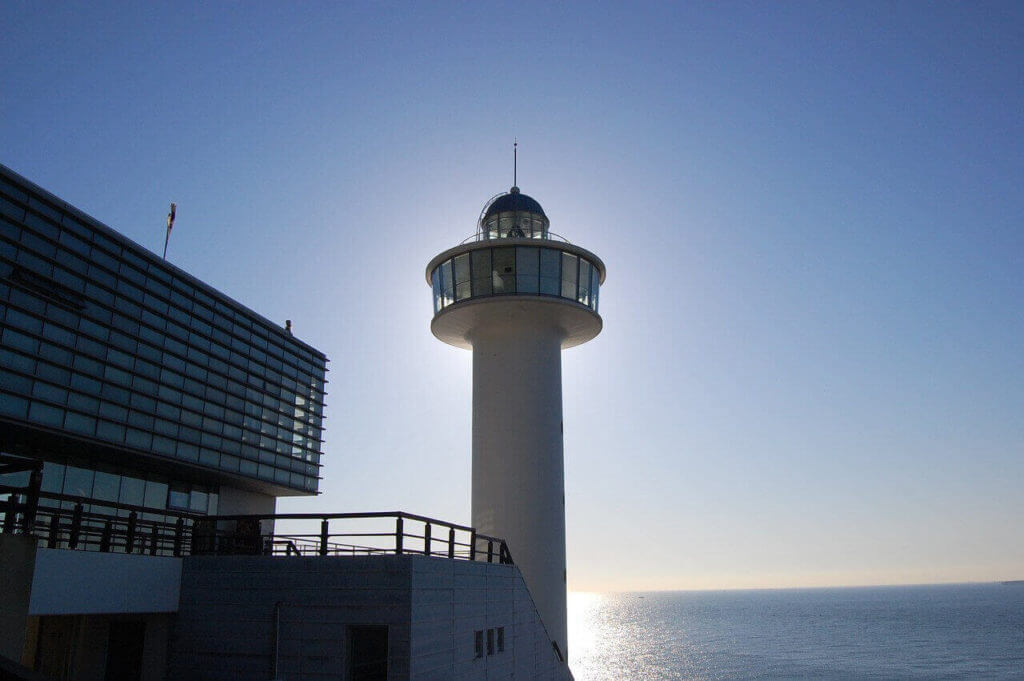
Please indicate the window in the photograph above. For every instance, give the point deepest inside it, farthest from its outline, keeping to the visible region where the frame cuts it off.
(177, 498)
(78, 481)
(132, 491)
(503, 270)
(46, 415)
(482, 285)
(527, 269)
(447, 285)
(584, 294)
(106, 486)
(110, 431)
(478, 644)
(80, 424)
(461, 266)
(50, 393)
(435, 279)
(156, 494)
(549, 271)
(490, 641)
(569, 263)
(501, 639)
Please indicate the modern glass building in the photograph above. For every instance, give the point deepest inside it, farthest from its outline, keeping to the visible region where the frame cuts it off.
(137, 383)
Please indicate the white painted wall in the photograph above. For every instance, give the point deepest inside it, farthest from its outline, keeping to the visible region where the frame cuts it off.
(233, 501)
(518, 470)
(88, 582)
(452, 600)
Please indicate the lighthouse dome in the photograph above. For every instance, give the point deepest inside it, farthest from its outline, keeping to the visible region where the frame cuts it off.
(513, 215)
(513, 200)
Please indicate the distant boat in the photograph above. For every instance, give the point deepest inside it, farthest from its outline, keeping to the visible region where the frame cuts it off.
(1013, 582)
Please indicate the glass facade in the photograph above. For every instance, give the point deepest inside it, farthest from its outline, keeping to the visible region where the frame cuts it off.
(522, 270)
(148, 490)
(104, 341)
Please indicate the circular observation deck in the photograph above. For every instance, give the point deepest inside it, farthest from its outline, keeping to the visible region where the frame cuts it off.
(515, 262)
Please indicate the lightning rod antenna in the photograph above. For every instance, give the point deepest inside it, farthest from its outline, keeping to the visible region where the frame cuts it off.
(515, 161)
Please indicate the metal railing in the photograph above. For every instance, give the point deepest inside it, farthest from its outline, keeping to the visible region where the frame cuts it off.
(79, 523)
(344, 534)
(70, 522)
(481, 235)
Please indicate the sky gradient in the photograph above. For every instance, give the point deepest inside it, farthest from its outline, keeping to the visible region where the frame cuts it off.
(812, 367)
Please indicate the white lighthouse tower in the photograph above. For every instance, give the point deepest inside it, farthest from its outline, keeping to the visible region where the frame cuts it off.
(517, 295)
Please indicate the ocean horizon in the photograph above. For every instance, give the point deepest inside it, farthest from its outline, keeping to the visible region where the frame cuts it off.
(857, 633)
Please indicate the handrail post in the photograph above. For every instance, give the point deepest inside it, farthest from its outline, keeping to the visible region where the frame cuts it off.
(506, 557)
(490, 550)
(153, 539)
(105, 537)
(323, 537)
(76, 526)
(179, 530)
(472, 544)
(129, 535)
(451, 542)
(11, 514)
(54, 538)
(426, 540)
(398, 536)
(35, 482)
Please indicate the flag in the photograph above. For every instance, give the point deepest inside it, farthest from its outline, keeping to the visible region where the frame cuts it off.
(170, 224)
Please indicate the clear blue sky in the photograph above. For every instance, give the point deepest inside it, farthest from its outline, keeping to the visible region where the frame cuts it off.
(812, 368)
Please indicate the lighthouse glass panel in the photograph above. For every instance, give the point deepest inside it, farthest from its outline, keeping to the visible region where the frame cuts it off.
(435, 279)
(447, 285)
(525, 270)
(584, 294)
(504, 270)
(511, 224)
(550, 272)
(569, 265)
(482, 272)
(461, 267)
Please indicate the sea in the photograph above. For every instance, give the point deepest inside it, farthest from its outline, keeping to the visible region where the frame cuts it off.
(933, 633)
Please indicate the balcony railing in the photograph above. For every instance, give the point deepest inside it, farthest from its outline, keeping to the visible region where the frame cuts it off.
(344, 534)
(62, 521)
(79, 523)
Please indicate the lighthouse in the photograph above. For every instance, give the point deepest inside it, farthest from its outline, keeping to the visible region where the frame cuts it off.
(516, 295)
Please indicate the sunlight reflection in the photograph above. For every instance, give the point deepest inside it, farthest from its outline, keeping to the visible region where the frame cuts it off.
(634, 636)
(584, 609)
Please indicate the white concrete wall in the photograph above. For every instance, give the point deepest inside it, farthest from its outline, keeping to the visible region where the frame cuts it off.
(233, 501)
(452, 600)
(87, 582)
(431, 606)
(518, 470)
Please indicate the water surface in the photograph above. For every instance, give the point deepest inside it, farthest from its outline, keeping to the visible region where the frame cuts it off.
(964, 631)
